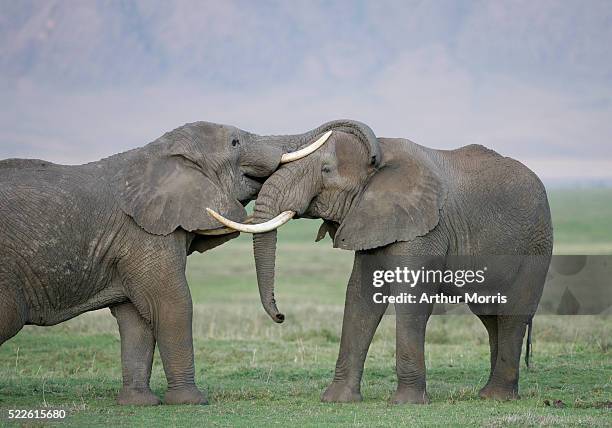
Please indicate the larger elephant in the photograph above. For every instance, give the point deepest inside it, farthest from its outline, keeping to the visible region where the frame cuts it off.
(402, 203)
(116, 233)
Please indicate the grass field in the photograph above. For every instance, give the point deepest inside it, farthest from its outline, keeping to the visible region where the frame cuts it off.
(260, 373)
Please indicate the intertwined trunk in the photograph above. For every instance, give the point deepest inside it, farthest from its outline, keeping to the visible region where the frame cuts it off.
(291, 143)
(291, 188)
(264, 246)
(275, 196)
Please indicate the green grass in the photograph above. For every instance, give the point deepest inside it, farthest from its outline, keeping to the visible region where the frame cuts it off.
(582, 220)
(257, 372)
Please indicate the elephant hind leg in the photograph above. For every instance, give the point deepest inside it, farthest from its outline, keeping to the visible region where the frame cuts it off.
(503, 384)
(137, 348)
(490, 323)
(511, 326)
(13, 312)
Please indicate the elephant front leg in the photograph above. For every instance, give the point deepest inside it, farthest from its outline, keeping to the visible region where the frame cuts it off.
(361, 318)
(137, 348)
(410, 356)
(164, 299)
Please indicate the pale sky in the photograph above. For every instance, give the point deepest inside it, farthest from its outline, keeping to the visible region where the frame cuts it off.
(80, 80)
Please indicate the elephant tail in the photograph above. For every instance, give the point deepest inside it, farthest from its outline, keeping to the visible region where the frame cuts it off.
(528, 343)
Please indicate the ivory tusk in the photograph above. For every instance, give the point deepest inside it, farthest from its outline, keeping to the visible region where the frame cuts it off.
(215, 232)
(221, 230)
(299, 154)
(267, 226)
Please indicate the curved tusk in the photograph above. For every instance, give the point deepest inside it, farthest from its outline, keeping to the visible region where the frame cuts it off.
(215, 232)
(267, 226)
(299, 154)
(221, 230)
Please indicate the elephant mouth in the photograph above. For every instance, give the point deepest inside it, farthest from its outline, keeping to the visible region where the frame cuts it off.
(254, 183)
(252, 186)
(259, 180)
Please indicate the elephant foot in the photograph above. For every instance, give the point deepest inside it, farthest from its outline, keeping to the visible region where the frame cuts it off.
(137, 397)
(187, 395)
(409, 396)
(499, 393)
(340, 393)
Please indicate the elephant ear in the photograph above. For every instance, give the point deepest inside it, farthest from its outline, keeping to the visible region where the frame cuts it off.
(400, 201)
(327, 228)
(169, 190)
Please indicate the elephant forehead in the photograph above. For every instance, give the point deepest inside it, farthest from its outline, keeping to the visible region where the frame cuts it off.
(351, 153)
(210, 137)
(212, 129)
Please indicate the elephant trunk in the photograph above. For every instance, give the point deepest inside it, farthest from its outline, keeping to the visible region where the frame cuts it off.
(276, 196)
(264, 250)
(264, 247)
(292, 143)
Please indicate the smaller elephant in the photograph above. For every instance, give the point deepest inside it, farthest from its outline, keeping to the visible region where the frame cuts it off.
(396, 202)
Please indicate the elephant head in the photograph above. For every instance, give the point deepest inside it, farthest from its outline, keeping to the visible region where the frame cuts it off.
(170, 182)
(364, 203)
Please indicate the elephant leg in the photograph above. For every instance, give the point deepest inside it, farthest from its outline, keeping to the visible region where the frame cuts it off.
(490, 323)
(410, 357)
(511, 325)
(13, 312)
(162, 297)
(503, 383)
(411, 323)
(361, 318)
(137, 348)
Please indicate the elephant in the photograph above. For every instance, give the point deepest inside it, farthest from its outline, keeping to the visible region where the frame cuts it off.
(397, 203)
(116, 233)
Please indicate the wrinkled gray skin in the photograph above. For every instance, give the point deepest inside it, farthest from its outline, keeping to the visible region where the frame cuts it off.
(414, 203)
(116, 233)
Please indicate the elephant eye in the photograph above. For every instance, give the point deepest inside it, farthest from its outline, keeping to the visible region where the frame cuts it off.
(326, 169)
(235, 142)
